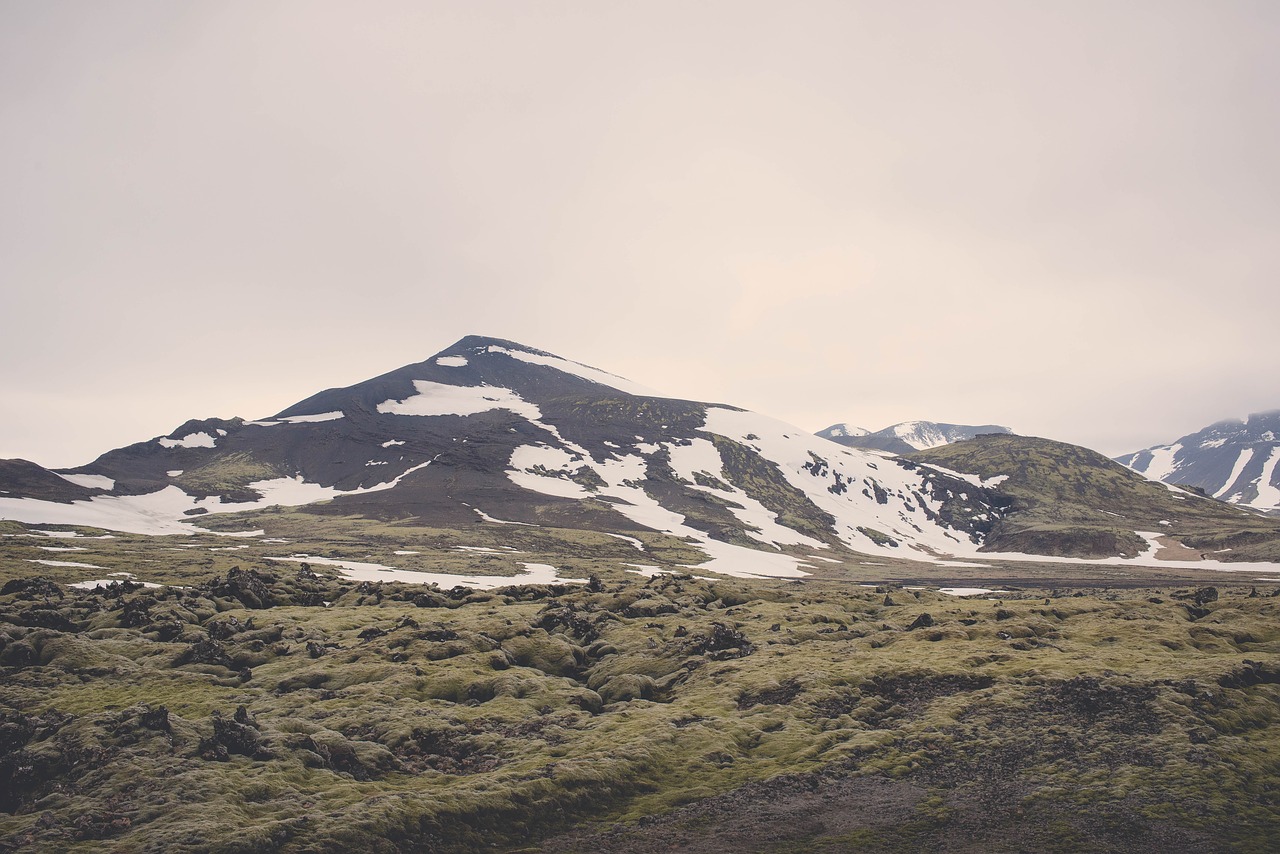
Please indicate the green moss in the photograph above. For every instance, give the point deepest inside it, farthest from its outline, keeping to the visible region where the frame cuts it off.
(494, 719)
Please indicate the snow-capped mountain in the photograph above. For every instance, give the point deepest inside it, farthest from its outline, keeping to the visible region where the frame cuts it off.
(841, 431)
(491, 431)
(908, 436)
(1234, 460)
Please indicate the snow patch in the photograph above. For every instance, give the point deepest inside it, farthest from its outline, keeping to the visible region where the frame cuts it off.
(91, 481)
(163, 512)
(452, 361)
(442, 399)
(64, 563)
(191, 440)
(1162, 462)
(107, 582)
(635, 542)
(1268, 494)
(534, 573)
(486, 517)
(313, 419)
(1241, 461)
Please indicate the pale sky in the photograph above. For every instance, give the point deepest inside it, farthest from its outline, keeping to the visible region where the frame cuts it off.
(1061, 217)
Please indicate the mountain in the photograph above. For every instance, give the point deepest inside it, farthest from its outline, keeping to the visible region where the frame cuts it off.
(491, 431)
(1060, 499)
(908, 436)
(1234, 460)
(836, 432)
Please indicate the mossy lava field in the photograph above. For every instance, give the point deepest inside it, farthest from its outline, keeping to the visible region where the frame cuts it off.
(288, 709)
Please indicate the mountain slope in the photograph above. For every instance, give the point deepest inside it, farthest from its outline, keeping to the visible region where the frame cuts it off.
(908, 436)
(1066, 500)
(1233, 460)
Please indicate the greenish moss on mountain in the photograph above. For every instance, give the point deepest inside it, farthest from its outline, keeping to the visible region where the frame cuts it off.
(1062, 499)
(228, 475)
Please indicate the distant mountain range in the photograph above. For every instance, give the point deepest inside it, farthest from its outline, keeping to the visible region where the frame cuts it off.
(1237, 460)
(908, 436)
(492, 432)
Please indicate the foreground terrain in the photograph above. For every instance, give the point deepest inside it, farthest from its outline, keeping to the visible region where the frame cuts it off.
(265, 705)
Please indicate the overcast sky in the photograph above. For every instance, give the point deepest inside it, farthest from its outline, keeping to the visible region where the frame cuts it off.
(1062, 217)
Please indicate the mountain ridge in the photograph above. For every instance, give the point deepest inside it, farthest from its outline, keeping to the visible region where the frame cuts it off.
(907, 436)
(489, 431)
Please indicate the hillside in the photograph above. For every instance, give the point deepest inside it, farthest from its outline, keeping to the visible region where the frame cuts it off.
(1066, 500)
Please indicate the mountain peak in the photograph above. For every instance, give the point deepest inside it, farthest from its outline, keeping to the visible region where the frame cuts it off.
(908, 436)
(838, 431)
(477, 343)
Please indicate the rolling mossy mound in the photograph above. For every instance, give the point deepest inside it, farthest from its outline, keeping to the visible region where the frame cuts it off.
(291, 711)
(1070, 501)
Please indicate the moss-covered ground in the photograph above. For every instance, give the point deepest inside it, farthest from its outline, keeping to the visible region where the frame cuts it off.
(278, 707)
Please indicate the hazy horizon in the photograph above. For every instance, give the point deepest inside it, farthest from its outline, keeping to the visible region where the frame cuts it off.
(1054, 218)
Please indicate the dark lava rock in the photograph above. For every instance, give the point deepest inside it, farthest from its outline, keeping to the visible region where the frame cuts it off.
(1251, 673)
(1121, 708)
(157, 718)
(239, 735)
(205, 651)
(570, 619)
(31, 588)
(223, 629)
(1195, 612)
(923, 621)
(723, 642)
(783, 694)
(45, 618)
(247, 587)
